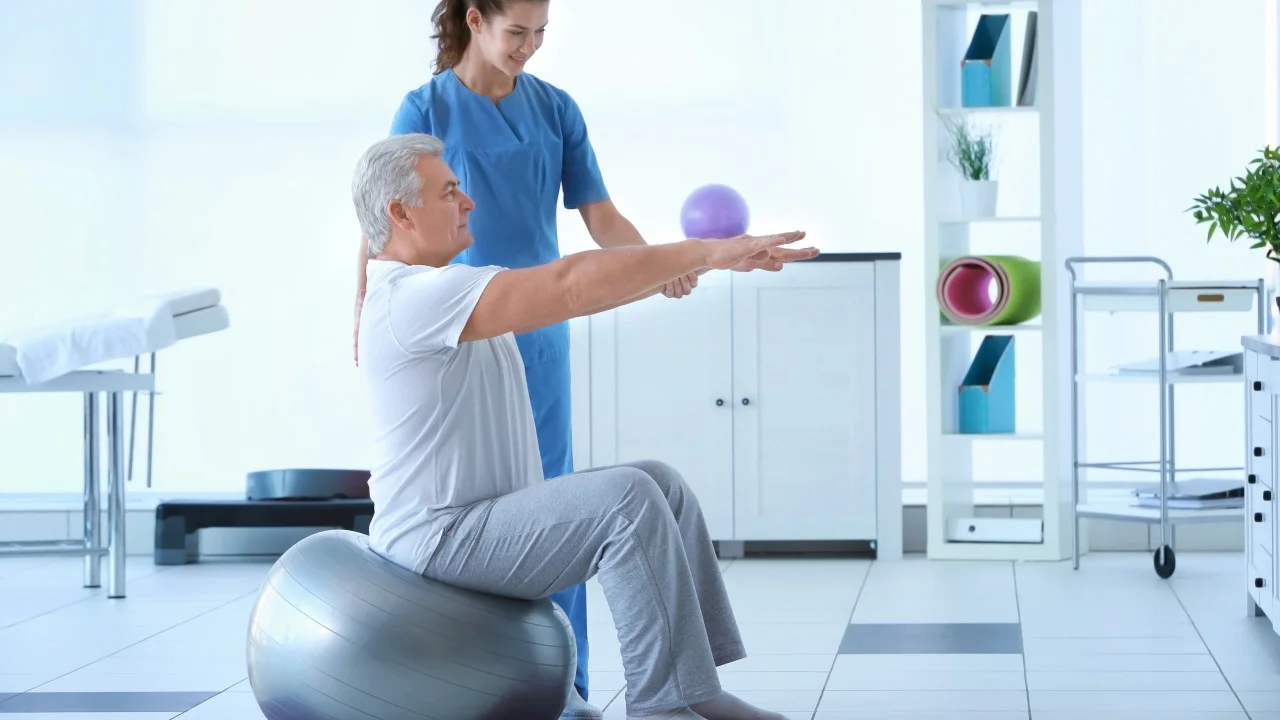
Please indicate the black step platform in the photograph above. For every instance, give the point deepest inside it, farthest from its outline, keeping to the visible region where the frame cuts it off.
(178, 522)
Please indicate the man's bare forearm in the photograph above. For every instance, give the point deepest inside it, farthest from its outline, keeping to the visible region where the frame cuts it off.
(597, 279)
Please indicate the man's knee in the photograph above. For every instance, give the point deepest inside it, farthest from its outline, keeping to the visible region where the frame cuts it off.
(635, 484)
(668, 479)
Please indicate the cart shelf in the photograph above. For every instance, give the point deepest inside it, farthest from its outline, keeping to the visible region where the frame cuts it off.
(1180, 296)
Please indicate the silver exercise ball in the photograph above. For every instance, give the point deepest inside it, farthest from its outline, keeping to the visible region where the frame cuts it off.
(340, 633)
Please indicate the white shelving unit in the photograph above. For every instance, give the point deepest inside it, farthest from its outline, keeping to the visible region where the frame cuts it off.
(1038, 216)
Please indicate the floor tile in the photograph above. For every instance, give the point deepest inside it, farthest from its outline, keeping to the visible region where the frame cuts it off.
(1115, 646)
(922, 701)
(1119, 662)
(1261, 700)
(1140, 680)
(932, 638)
(908, 663)
(84, 702)
(927, 680)
(227, 706)
(1087, 702)
(1142, 715)
(921, 715)
(91, 715)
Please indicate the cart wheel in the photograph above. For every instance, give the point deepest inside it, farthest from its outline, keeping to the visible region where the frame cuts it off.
(1165, 562)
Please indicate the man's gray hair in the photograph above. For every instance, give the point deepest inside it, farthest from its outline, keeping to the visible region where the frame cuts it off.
(387, 172)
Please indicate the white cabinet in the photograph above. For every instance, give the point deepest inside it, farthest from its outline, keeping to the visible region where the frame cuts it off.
(1262, 408)
(775, 394)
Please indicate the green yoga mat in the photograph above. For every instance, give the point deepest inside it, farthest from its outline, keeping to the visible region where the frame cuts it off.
(964, 294)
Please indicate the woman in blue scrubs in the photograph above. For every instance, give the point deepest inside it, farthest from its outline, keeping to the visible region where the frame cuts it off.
(515, 142)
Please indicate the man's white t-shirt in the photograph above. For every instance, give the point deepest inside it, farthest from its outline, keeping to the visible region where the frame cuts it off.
(453, 422)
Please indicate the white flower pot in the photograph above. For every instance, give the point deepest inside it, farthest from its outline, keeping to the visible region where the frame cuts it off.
(978, 198)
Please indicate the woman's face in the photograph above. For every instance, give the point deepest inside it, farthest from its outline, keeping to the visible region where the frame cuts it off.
(507, 41)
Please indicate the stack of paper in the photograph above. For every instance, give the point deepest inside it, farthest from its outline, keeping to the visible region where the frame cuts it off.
(1198, 494)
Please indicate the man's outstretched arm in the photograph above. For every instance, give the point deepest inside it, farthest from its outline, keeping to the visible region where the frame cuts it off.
(589, 282)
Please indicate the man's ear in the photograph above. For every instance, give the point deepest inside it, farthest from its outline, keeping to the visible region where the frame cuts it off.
(399, 215)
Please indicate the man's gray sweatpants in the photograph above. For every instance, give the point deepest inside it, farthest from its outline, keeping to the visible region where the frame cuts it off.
(640, 527)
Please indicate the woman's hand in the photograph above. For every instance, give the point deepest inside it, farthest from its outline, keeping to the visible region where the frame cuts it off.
(681, 286)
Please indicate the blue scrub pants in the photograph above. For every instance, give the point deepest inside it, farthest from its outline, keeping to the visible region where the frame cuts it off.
(549, 393)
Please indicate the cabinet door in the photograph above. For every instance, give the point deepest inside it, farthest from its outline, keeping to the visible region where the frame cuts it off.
(1265, 495)
(661, 389)
(804, 383)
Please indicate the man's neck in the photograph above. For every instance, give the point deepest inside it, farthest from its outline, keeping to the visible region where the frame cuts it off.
(482, 78)
(396, 254)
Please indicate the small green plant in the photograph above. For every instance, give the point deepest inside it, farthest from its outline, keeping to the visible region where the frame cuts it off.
(1249, 208)
(972, 150)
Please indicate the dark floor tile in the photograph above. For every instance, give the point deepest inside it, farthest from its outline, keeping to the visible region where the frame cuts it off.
(90, 702)
(932, 638)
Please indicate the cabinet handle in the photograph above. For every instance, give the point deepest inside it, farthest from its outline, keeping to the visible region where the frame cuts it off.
(1257, 517)
(1257, 452)
(1257, 582)
(1257, 384)
(746, 401)
(1252, 478)
(719, 402)
(1266, 495)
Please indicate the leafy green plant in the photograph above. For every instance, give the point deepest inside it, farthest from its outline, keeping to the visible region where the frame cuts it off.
(1249, 208)
(972, 150)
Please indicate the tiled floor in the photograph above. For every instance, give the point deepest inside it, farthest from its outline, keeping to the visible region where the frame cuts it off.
(829, 640)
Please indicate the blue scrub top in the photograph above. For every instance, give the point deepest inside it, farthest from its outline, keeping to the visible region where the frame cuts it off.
(512, 157)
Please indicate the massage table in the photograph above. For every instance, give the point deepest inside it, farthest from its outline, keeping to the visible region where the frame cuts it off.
(67, 357)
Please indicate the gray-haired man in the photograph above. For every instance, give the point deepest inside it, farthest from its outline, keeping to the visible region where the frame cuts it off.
(457, 484)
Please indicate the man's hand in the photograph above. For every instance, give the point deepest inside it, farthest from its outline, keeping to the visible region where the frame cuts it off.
(773, 259)
(681, 286)
(746, 252)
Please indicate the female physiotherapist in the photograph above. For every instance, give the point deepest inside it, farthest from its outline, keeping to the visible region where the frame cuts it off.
(515, 141)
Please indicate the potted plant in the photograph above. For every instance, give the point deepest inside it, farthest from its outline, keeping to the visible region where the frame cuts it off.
(972, 152)
(1249, 208)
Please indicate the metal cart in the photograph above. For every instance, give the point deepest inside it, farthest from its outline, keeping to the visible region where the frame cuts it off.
(1165, 297)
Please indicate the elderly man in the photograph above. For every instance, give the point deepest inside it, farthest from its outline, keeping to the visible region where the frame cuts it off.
(457, 485)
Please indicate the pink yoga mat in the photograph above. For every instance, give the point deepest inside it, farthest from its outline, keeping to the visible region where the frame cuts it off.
(989, 290)
(966, 291)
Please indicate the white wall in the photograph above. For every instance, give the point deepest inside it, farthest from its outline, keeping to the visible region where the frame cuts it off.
(151, 144)
(1174, 105)
(240, 121)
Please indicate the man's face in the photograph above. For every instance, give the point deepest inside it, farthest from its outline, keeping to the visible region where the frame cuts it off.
(439, 224)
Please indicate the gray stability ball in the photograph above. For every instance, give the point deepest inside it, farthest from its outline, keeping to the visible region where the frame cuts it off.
(340, 633)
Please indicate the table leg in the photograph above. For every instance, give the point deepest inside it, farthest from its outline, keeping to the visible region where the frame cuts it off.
(92, 493)
(115, 499)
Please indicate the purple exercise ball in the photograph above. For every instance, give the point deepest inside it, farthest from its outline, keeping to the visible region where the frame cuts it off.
(713, 212)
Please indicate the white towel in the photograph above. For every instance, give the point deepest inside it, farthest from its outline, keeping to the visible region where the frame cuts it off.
(50, 351)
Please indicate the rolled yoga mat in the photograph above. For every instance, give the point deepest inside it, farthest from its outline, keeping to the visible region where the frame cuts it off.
(964, 290)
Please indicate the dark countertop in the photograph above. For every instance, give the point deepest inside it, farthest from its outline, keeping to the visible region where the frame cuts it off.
(855, 257)
(1265, 344)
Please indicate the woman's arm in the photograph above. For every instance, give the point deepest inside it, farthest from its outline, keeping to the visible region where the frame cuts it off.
(611, 229)
(584, 189)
